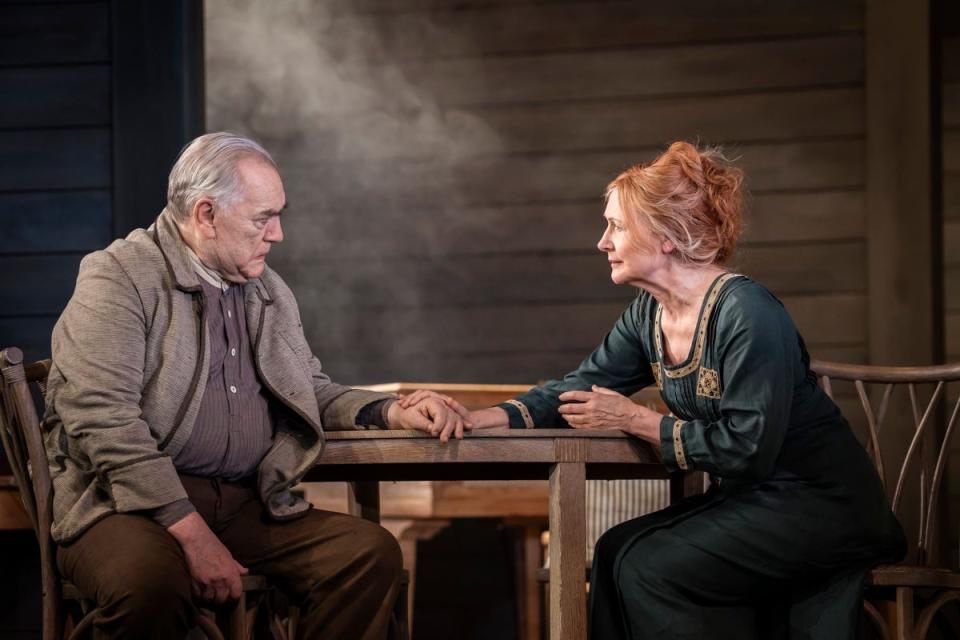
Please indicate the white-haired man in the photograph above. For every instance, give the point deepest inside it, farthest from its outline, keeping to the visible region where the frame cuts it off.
(184, 403)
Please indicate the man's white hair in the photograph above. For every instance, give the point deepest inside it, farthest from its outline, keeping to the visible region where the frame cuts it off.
(207, 166)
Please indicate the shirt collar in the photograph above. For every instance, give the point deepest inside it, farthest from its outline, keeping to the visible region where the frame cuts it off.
(205, 272)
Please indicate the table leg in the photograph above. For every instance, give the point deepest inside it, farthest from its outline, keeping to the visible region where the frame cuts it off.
(568, 598)
(363, 500)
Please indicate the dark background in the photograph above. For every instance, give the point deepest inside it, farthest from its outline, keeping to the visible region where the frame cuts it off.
(444, 162)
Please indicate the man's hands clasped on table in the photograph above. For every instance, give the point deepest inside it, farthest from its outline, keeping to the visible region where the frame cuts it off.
(432, 412)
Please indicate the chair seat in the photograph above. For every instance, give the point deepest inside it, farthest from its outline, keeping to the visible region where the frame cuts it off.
(904, 575)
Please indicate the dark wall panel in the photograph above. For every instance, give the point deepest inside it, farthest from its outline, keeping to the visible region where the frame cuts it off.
(52, 33)
(55, 221)
(55, 159)
(55, 96)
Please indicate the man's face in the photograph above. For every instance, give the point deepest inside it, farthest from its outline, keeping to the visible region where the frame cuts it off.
(246, 230)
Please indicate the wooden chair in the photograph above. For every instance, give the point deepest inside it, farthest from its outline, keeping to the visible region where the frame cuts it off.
(65, 609)
(919, 472)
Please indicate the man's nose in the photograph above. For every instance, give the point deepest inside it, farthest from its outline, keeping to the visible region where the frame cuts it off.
(274, 231)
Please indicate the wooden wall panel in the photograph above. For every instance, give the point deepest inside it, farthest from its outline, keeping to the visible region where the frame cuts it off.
(55, 159)
(643, 122)
(46, 291)
(73, 96)
(54, 34)
(55, 221)
(485, 28)
(829, 60)
(950, 122)
(445, 164)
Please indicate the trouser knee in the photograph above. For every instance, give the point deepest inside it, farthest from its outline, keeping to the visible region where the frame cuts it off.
(148, 597)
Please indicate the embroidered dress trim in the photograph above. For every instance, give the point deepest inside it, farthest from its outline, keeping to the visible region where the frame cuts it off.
(678, 444)
(656, 374)
(700, 338)
(708, 384)
(524, 412)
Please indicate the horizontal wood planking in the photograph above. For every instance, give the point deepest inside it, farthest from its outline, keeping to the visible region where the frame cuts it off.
(951, 242)
(832, 60)
(951, 287)
(520, 367)
(55, 222)
(951, 196)
(950, 59)
(795, 166)
(832, 319)
(515, 343)
(951, 151)
(430, 232)
(55, 159)
(54, 34)
(37, 285)
(535, 278)
(640, 122)
(951, 104)
(463, 30)
(55, 97)
(953, 335)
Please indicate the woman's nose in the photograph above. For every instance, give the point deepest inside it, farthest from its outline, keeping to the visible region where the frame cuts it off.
(604, 243)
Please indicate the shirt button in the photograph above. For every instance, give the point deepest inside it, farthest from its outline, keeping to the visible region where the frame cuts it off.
(233, 389)
(229, 313)
(233, 351)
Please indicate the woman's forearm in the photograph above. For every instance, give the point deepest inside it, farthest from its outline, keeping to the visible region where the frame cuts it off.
(489, 418)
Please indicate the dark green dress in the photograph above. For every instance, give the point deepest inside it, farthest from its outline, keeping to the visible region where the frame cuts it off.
(779, 546)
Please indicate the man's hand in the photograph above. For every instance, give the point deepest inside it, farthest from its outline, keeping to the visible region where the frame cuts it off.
(422, 394)
(430, 413)
(605, 409)
(216, 575)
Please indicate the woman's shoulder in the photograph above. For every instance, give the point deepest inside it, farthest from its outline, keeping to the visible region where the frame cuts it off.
(744, 300)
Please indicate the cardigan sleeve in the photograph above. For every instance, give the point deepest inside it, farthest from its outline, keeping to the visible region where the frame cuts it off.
(756, 344)
(620, 363)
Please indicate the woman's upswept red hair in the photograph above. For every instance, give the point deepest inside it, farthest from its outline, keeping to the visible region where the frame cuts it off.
(691, 197)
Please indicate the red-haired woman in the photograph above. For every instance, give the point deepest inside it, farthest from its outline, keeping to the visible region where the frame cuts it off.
(796, 516)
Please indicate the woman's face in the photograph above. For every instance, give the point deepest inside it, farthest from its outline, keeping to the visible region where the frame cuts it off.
(633, 257)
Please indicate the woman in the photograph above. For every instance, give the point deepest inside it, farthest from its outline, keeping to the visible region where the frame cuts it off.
(796, 516)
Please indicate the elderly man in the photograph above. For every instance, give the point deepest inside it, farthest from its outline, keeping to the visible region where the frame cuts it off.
(184, 403)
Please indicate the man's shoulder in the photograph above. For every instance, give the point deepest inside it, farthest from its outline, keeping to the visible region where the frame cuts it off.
(137, 255)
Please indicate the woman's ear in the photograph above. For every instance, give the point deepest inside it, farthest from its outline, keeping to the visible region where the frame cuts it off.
(666, 246)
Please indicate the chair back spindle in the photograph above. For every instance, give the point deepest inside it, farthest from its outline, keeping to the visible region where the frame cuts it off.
(930, 434)
(22, 439)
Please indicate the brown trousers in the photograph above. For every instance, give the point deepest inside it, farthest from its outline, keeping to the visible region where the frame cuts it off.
(342, 571)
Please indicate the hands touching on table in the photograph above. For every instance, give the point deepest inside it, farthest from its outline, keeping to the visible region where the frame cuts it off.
(602, 408)
(432, 412)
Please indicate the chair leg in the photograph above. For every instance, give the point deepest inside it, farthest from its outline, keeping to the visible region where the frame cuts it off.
(899, 614)
(237, 622)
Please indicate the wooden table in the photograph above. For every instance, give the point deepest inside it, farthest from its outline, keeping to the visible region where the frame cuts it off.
(566, 457)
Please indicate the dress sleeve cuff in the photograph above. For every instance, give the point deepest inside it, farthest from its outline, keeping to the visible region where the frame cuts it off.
(671, 444)
(518, 414)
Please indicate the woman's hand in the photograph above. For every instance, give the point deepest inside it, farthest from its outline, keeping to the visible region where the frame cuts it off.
(605, 409)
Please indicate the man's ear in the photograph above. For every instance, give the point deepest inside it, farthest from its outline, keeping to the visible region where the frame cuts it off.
(203, 215)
